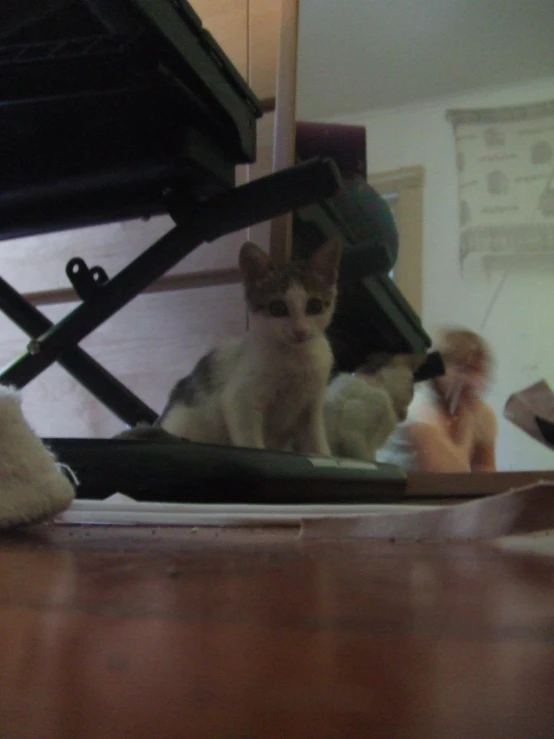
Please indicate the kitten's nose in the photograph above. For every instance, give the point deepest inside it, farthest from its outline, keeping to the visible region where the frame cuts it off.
(300, 334)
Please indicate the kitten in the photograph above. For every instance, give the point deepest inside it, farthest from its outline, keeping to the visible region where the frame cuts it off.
(266, 391)
(363, 409)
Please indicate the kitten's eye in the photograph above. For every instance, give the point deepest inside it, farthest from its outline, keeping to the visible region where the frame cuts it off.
(314, 306)
(278, 308)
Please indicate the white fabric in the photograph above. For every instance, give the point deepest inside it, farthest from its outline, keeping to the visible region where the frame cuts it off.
(32, 487)
(398, 449)
(519, 511)
(505, 159)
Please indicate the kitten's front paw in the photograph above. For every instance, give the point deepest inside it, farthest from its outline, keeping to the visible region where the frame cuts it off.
(324, 450)
(248, 443)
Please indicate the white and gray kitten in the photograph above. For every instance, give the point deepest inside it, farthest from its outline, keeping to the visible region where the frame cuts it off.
(266, 391)
(362, 410)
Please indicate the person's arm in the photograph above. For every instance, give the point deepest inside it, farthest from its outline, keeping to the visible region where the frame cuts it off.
(483, 458)
(434, 451)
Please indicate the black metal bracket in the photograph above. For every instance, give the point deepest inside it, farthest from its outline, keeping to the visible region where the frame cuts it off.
(97, 380)
(86, 280)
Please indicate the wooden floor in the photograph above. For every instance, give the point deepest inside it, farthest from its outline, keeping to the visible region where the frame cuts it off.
(151, 633)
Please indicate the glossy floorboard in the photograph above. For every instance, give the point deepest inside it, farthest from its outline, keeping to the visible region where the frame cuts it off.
(176, 633)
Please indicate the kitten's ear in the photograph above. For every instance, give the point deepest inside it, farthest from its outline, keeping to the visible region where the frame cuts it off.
(325, 261)
(254, 263)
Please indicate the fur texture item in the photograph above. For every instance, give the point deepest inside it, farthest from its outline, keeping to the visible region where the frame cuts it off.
(266, 391)
(32, 486)
(362, 410)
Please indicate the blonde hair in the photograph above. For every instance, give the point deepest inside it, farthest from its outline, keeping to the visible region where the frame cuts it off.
(462, 346)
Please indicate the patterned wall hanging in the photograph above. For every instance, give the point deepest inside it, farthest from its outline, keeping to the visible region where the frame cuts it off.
(505, 163)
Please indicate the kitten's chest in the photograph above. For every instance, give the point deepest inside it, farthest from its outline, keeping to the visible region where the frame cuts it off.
(294, 387)
(292, 379)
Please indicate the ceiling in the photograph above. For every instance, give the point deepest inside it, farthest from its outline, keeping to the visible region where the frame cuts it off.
(357, 55)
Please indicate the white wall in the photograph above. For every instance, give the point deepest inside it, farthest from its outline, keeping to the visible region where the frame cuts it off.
(520, 326)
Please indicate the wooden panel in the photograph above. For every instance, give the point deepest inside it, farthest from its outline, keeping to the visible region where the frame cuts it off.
(261, 167)
(408, 271)
(265, 20)
(202, 278)
(280, 245)
(248, 32)
(37, 263)
(148, 345)
(226, 21)
(250, 42)
(145, 632)
(407, 184)
(471, 484)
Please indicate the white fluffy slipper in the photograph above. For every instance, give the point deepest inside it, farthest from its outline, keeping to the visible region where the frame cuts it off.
(32, 487)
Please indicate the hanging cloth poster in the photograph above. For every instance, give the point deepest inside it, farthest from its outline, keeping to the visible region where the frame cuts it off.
(505, 164)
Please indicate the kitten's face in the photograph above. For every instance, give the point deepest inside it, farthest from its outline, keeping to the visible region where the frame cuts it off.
(294, 302)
